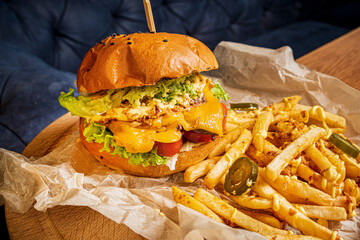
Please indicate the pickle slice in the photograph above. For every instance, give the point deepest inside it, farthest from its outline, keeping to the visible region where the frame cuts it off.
(241, 176)
(344, 145)
(244, 106)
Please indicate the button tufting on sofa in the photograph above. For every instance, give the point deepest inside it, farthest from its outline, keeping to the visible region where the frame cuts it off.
(48, 40)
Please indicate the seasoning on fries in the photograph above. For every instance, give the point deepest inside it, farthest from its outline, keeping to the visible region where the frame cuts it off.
(307, 172)
(185, 199)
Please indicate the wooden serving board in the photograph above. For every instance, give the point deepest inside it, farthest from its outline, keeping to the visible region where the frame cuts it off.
(338, 58)
(62, 222)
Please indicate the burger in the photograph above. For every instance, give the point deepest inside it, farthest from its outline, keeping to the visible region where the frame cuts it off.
(143, 105)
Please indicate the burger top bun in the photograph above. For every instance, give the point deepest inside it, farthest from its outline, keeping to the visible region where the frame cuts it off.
(141, 59)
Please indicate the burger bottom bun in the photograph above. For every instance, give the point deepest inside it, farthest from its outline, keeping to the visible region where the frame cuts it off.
(185, 159)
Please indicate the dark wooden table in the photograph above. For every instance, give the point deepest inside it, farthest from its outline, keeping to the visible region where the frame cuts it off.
(339, 58)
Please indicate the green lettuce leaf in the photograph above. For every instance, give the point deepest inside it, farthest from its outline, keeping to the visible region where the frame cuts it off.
(98, 133)
(83, 106)
(219, 92)
(166, 90)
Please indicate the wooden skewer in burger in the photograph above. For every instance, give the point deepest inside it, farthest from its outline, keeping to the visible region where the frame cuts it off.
(149, 16)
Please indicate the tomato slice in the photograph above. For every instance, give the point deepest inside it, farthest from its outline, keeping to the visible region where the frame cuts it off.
(198, 137)
(168, 149)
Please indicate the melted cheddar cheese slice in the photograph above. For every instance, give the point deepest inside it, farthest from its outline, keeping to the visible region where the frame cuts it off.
(208, 116)
(142, 139)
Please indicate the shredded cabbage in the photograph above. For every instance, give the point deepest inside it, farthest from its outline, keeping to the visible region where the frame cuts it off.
(98, 133)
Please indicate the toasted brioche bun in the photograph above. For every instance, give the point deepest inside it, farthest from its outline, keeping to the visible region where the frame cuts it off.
(141, 59)
(185, 159)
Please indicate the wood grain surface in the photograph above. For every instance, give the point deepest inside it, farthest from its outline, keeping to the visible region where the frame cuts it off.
(338, 58)
(66, 222)
(62, 222)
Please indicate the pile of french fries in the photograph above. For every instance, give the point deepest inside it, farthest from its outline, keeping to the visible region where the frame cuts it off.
(303, 178)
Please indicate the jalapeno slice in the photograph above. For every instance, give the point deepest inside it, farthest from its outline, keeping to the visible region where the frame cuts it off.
(344, 145)
(241, 176)
(244, 106)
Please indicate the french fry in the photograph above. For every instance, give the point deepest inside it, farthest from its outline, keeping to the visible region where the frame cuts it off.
(286, 104)
(352, 189)
(229, 138)
(351, 164)
(335, 160)
(302, 176)
(200, 169)
(237, 149)
(237, 117)
(247, 123)
(231, 114)
(291, 237)
(290, 214)
(314, 178)
(260, 129)
(260, 158)
(292, 198)
(230, 127)
(180, 196)
(338, 130)
(347, 202)
(325, 166)
(323, 212)
(352, 171)
(275, 167)
(349, 160)
(252, 202)
(270, 149)
(245, 119)
(300, 189)
(332, 120)
(297, 115)
(278, 139)
(233, 215)
(283, 126)
(282, 139)
(265, 218)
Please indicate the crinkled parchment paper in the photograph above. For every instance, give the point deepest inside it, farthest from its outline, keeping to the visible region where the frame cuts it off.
(249, 74)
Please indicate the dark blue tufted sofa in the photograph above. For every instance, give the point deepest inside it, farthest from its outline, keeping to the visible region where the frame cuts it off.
(43, 42)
